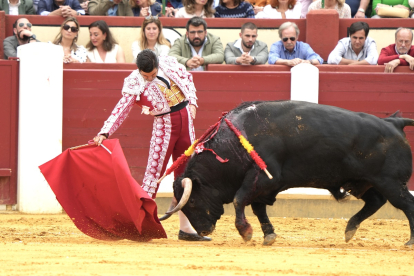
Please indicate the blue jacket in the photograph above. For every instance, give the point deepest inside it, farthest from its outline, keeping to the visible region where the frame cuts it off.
(155, 9)
(175, 3)
(49, 6)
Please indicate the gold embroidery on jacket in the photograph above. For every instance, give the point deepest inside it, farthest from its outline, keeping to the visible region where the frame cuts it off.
(174, 95)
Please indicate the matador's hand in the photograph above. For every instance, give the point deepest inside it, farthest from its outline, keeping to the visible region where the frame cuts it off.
(98, 139)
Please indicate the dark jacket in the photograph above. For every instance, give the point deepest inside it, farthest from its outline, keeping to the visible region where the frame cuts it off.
(49, 5)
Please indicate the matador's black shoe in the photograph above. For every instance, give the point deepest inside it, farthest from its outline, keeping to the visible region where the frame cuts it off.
(191, 237)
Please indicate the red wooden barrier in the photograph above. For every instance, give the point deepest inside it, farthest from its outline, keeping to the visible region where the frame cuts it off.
(88, 103)
(9, 71)
(322, 68)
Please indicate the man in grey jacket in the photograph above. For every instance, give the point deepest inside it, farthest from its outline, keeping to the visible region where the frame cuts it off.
(198, 48)
(22, 30)
(246, 50)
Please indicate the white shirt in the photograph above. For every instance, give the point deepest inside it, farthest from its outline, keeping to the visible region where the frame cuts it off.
(200, 54)
(271, 13)
(238, 45)
(160, 50)
(109, 58)
(344, 50)
(13, 8)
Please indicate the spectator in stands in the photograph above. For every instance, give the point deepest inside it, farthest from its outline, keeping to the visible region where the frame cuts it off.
(358, 7)
(411, 3)
(357, 49)
(145, 7)
(84, 4)
(192, 8)
(110, 7)
(64, 8)
(16, 7)
(394, 5)
(22, 34)
(102, 47)
(234, 9)
(289, 51)
(172, 7)
(278, 9)
(258, 5)
(67, 38)
(305, 6)
(198, 48)
(151, 37)
(339, 5)
(246, 50)
(400, 53)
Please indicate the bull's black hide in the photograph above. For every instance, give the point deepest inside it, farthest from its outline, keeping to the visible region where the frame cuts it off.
(303, 145)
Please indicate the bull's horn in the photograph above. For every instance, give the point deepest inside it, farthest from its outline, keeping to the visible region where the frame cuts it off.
(187, 185)
(172, 206)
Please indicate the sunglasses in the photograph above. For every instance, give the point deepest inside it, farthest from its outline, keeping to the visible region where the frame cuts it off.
(29, 25)
(153, 17)
(291, 39)
(73, 29)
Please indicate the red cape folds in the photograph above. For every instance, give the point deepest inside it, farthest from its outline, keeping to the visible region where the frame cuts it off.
(98, 192)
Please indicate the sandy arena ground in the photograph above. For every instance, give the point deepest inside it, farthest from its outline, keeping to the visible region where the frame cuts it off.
(52, 245)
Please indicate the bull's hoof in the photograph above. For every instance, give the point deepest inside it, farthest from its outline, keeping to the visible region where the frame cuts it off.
(349, 234)
(410, 242)
(247, 237)
(269, 239)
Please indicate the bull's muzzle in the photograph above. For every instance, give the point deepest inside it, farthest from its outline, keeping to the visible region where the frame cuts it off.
(187, 184)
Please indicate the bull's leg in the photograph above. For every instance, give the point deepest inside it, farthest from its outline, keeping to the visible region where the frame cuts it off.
(373, 202)
(243, 198)
(242, 225)
(401, 198)
(259, 209)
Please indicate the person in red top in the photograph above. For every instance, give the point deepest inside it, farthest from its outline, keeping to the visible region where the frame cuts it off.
(400, 53)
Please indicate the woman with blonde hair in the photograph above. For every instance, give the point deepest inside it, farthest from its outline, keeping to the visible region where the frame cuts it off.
(151, 37)
(200, 8)
(145, 8)
(340, 6)
(102, 46)
(281, 9)
(67, 38)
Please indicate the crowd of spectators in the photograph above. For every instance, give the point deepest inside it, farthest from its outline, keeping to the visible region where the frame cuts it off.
(272, 9)
(199, 47)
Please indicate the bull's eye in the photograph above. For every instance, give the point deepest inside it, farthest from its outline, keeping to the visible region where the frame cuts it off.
(191, 202)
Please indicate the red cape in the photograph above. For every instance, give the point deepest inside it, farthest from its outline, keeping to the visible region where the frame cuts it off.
(98, 192)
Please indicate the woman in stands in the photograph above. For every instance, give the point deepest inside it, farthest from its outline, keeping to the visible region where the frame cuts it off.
(281, 9)
(145, 7)
(339, 5)
(192, 8)
(102, 47)
(234, 9)
(151, 37)
(67, 38)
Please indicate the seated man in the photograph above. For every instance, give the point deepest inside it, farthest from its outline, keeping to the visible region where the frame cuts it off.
(64, 8)
(246, 50)
(400, 53)
(289, 51)
(197, 48)
(16, 7)
(22, 30)
(110, 7)
(357, 49)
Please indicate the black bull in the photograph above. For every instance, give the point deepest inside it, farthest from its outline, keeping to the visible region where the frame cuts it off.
(303, 145)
